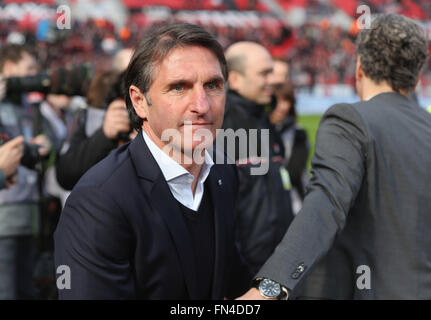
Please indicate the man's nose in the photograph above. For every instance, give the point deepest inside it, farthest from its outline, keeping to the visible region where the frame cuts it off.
(199, 101)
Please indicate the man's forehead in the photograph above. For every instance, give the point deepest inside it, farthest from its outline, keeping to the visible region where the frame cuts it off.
(186, 53)
(186, 61)
(262, 65)
(24, 58)
(280, 66)
(27, 56)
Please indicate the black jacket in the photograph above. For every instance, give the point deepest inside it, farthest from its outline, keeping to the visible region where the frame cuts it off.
(122, 234)
(264, 206)
(83, 153)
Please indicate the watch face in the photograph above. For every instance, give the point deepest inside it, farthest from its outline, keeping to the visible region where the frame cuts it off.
(269, 288)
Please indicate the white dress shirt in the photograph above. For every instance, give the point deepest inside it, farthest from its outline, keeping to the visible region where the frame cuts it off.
(178, 178)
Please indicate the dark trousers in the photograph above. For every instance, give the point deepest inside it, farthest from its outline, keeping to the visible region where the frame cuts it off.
(17, 262)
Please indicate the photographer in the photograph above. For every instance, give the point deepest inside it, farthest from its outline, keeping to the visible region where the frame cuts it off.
(19, 205)
(97, 131)
(10, 155)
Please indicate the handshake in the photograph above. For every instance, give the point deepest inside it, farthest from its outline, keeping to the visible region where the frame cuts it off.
(11, 154)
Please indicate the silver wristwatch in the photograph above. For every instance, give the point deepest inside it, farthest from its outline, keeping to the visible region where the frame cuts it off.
(270, 289)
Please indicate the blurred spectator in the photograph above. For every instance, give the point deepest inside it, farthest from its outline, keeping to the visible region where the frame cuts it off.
(59, 109)
(121, 59)
(264, 209)
(19, 211)
(280, 72)
(96, 131)
(295, 141)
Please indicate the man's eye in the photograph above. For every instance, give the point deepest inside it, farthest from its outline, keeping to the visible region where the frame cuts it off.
(178, 87)
(214, 86)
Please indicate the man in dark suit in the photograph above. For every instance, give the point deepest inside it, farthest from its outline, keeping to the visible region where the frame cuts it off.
(364, 229)
(140, 224)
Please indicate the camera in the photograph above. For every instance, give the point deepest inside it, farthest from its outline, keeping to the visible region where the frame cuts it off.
(72, 81)
(30, 156)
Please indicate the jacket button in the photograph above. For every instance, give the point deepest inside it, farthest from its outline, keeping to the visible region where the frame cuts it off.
(299, 270)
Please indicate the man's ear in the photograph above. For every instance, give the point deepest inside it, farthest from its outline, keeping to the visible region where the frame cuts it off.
(234, 79)
(358, 69)
(359, 73)
(418, 80)
(139, 101)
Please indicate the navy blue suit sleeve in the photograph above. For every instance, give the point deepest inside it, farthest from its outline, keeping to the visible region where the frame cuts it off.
(94, 240)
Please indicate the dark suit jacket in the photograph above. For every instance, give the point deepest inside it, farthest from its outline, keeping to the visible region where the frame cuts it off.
(123, 235)
(367, 204)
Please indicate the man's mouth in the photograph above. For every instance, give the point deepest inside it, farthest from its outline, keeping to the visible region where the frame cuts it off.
(197, 123)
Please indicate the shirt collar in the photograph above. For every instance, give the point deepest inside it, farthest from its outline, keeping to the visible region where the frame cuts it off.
(172, 169)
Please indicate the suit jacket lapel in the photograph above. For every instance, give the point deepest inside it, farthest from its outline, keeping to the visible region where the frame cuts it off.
(219, 196)
(165, 204)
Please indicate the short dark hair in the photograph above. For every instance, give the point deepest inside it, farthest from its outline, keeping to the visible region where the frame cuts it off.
(154, 47)
(100, 87)
(13, 52)
(394, 50)
(286, 91)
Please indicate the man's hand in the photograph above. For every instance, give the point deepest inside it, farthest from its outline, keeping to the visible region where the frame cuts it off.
(11, 181)
(116, 119)
(133, 134)
(44, 143)
(10, 157)
(252, 294)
